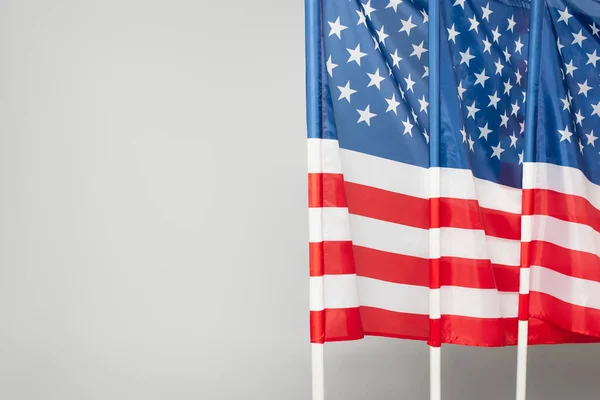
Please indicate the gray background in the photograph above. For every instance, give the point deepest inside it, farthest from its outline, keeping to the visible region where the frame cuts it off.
(153, 217)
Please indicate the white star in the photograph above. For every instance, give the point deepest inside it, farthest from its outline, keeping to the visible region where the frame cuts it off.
(425, 16)
(506, 55)
(484, 132)
(394, 4)
(375, 79)
(336, 28)
(566, 103)
(499, 67)
(481, 78)
(376, 42)
(423, 104)
(486, 12)
(368, 9)
(584, 88)
(511, 23)
(407, 127)
(361, 18)
(524, 96)
(565, 134)
(365, 116)
(472, 110)
(591, 138)
(579, 117)
(507, 87)
(504, 121)
(494, 99)
(515, 108)
(426, 73)
(409, 84)
(596, 109)
(356, 54)
(396, 59)
(497, 35)
(407, 25)
(578, 38)
(559, 45)
(521, 154)
(412, 112)
(426, 135)
(418, 50)
(522, 124)
(497, 150)
(487, 46)
(592, 58)
(570, 68)
(381, 35)
(459, 3)
(518, 77)
(474, 24)
(346, 92)
(518, 46)
(564, 16)
(580, 146)
(471, 143)
(595, 30)
(330, 66)
(464, 134)
(461, 90)
(513, 140)
(466, 57)
(452, 34)
(392, 104)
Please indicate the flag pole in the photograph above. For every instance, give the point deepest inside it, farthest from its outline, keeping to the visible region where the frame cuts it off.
(435, 367)
(313, 119)
(533, 78)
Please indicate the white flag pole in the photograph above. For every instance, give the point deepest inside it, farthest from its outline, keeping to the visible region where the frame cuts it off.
(435, 367)
(314, 128)
(533, 75)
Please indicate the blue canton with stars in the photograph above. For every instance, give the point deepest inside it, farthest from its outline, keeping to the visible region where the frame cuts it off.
(375, 65)
(569, 100)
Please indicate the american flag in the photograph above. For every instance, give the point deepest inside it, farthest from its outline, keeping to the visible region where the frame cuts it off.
(369, 199)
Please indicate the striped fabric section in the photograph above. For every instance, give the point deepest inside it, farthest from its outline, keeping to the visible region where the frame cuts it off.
(369, 244)
(565, 248)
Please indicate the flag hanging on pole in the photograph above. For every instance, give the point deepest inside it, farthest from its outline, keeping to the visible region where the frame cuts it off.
(369, 180)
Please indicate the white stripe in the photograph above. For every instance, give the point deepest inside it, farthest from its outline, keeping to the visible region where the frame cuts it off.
(577, 291)
(329, 223)
(434, 304)
(340, 292)
(566, 234)
(413, 181)
(455, 242)
(524, 280)
(324, 156)
(526, 226)
(567, 180)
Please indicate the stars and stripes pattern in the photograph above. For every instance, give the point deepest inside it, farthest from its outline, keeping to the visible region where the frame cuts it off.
(564, 256)
(369, 200)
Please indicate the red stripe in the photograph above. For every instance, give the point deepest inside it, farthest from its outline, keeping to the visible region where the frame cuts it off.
(578, 264)
(435, 329)
(581, 320)
(331, 258)
(398, 268)
(566, 207)
(326, 190)
(355, 323)
(336, 324)
(416, 212)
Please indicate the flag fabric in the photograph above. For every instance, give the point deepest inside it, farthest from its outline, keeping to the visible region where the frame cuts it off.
(369, 200)
(565, 189)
